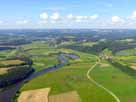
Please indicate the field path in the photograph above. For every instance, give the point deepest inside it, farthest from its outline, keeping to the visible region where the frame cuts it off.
(99, 85)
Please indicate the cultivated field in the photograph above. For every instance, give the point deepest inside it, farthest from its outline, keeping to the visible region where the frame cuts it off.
(119, 82)
(65, 97)
(39, 95)
(72, 77)
(11, 62)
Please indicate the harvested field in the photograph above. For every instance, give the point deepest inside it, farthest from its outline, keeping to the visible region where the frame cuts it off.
(104, 65)
(4, 70)
(38, 95)
(11, 62)
(133, 67)
(65, 97)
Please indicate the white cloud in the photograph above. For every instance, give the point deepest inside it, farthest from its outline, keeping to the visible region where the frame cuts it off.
(79, 18)
(1, 22)
(22, 22)
(44, 16)
(55, 16)
(82, 18)
(43, 22)
(95, 16)
(70, 16)
(86, 17)
(116, 20)
(133, 16)
(53, 21)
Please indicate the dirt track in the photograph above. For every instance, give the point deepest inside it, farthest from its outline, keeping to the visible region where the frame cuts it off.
(99, 85)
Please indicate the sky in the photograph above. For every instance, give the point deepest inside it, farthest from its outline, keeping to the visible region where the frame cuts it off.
(67, 14)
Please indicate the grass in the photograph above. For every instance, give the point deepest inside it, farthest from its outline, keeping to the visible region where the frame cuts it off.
(123, 85)
(128, 52)
(35, 44)
(127, 58)
(41, 54)
(7, 53)
(90, 44)
(72, 77)
(40, 63)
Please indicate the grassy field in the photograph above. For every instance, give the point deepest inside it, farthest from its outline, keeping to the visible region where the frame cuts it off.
(128, 58)
(40, 63)
(6, 65)
(73, 76)
(70, 78)
(41, 54)
(129, 52)
(7, 53)
(123, 85)
(90, 44)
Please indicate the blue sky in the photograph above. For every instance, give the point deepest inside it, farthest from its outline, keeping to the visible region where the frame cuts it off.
(67, 14)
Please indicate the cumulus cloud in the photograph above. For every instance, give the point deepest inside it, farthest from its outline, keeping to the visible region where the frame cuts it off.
(70, 16)
(95, 16)
(78, 20)
(1, 22)
(53, 21)
(43, 22)
(85, 18)
(133, 16)
(22, 22)
(79, 17)
(55, 16)
(116, 20)
(44, 16)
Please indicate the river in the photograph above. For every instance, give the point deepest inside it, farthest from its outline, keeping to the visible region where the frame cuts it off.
(8, 94)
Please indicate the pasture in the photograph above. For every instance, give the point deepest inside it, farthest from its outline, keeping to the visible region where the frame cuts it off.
(72, 77)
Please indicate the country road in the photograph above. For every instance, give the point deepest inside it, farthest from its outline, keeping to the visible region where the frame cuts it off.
(97, 84)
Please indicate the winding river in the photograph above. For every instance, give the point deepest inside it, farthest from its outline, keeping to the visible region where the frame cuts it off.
(8, 94)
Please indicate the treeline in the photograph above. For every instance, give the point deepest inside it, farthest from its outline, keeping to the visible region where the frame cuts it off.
(113, 46)
(124, 68)
(6, 48)
(16, 73)
(14, 42)
(11, 44)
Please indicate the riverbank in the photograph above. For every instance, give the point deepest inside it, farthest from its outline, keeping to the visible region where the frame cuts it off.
(8, 94)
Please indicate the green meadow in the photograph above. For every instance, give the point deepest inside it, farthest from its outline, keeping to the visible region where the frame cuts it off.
(72, 77)
(119, 82)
